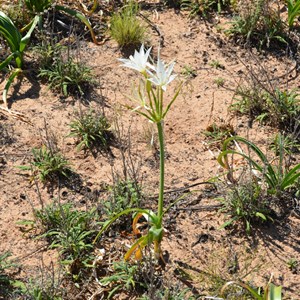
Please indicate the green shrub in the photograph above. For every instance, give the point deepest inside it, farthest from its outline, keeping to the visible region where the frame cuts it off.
(123, 195)
(246, 202)
(67, 77)
(204, 7)
(125, 277)
(126, 28)
(280, 108)
(69, 230)
(91, 129)
(257, 22)
(278, 177)
(48, 164)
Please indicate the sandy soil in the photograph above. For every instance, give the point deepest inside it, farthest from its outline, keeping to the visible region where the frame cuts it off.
(193, 235)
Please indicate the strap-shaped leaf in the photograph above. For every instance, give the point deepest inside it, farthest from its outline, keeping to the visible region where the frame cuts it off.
(107, 224)
(80, 17)
(291, 177)
(293, 11)
(11, 78)
(273, 292)
(26, 38)
(266, 168)
(10, 32)
(6, 62)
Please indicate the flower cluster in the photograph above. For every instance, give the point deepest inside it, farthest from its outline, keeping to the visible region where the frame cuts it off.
(155, 79)
(160, 75)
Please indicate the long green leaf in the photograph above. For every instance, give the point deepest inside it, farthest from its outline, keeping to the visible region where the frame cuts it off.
(273, 292)
(107, 224)
(11, 78)
(290, 177)
(253, 292)
(293, 11)
(26, 38)
(6, 62)
(266, 169)
(80, 17)
(10, 32)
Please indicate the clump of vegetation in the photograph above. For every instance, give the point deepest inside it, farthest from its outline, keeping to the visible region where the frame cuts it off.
(47, 53)
(126, 28)
(219, 81)
(68, 77)
(4, 265)
(17, 44)
(48, 164)
(217, 134)
(189, 72)
(246, 202)
(257, 22)
(18, 14)
(273, 183)
(71, 231)
(293, 265)
(124, 195)
(39, 7)
(279, 178)
(216, 64)
(286, 143)
(280, 108)
(125, 277)
(205, 7)
(91, 129)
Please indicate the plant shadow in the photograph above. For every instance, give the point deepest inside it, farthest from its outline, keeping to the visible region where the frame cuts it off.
(32, 93)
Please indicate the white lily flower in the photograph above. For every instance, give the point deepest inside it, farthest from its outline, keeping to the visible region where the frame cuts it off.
(139, 61)
(162, 76)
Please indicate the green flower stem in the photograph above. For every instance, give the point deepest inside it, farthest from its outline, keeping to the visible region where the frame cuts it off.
(162, 171)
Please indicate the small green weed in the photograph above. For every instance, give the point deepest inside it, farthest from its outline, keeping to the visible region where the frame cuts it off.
(257, 22)
(279, 108)
(189, 72)
(36, 290)
(126, 28)
(47, 53)
(205, 7)
(246, 202)
(217, 134)
(174, 292)
(69, 230)
(7, 287)
(216, 64)
(48, 164)
(219, 81)
(91, 129)
(293, 265)
(4, 265)
(124, 194)
(286, 143)
(68, 77)
(125, 278)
